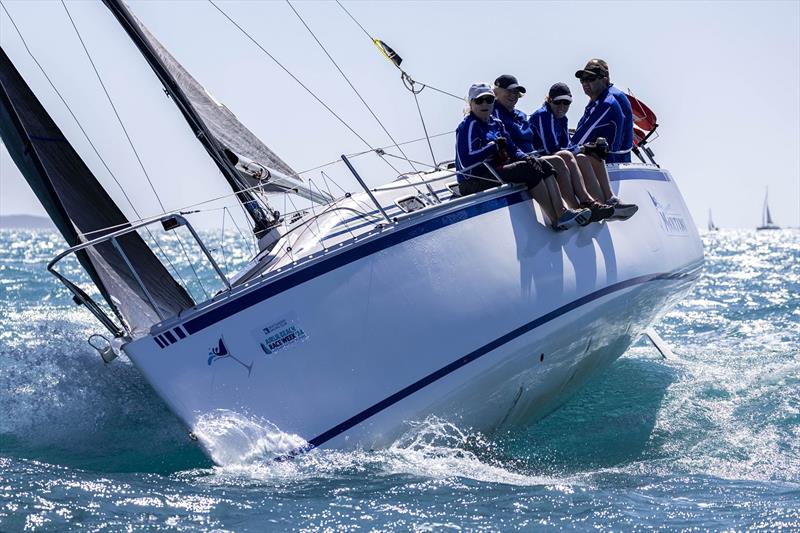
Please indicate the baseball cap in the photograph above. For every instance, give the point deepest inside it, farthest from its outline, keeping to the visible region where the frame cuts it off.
(595, 67)
(560, 91)
(507, 81)
(479, 89)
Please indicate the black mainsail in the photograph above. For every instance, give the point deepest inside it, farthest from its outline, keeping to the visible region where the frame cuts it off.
(79, 206)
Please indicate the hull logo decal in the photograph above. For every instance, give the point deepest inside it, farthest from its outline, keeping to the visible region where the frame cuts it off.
(672, 221)
(221, 352)
(279, 336)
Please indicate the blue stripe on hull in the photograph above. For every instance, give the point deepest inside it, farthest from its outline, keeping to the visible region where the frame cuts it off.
(323, 267)
(689, 273)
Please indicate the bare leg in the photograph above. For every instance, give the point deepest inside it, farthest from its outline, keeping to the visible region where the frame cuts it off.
(589, 177)
(601, 173)
(564, 179)
(577, 178)
(548, 197)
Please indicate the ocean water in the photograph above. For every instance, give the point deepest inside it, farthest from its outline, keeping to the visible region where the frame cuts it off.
(708, 441)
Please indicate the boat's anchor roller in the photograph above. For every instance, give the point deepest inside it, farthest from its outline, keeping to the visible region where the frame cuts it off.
(108, 349)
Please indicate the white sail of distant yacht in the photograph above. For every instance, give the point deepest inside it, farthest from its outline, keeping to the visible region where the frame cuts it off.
(377, 309)
(711, 225)
(766, 216)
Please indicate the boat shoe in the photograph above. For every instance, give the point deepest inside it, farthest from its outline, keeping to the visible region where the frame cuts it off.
(599, 211)
(571, 218)
(622, 211)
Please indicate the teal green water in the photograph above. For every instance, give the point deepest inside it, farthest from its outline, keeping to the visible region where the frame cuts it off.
(710, 440)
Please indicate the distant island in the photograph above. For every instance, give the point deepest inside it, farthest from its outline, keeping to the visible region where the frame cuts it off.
(25, 222)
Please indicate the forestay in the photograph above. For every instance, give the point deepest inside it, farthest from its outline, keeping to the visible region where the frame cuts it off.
(82, 209)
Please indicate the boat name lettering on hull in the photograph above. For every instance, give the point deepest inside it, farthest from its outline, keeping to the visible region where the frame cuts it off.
(672, 221)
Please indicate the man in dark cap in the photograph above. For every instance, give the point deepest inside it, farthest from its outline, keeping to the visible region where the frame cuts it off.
(626, 143)
(599, 132)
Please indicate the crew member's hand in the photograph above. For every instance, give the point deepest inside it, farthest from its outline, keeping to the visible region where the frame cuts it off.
(502, 150)
(598, 149)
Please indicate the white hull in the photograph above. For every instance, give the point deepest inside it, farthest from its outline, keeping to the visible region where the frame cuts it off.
(472, 310)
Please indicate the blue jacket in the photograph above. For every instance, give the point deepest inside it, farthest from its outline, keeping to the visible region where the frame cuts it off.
(627, 126)
(475, 142)
(550, 134)
(517, 126)
(602, 118)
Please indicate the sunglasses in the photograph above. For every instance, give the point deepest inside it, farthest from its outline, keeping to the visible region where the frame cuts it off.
(561, 102)
(488, 99)
(589, 79)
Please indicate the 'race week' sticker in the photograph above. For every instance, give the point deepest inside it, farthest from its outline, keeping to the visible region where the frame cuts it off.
(279, 336)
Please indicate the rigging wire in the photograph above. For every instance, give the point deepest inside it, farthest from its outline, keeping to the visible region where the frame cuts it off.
(184, 209)
(130, 142)
(89, 140)
(396, 145)
(424, 127)
(357, 154)
(424, 85)
(113, 107)
(222, 244)
(409, 84)
(295, 78)
(335, 64)
(69, 109)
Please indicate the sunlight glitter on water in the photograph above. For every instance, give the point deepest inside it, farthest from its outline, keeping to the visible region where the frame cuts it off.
(710, 440)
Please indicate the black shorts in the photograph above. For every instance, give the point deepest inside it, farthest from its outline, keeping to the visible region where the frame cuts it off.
(517, 172)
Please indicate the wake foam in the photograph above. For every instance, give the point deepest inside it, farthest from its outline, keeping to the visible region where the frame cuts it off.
(232, 438)
(434, 449)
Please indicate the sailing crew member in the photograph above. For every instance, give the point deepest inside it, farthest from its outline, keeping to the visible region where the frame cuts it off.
(626, 142)
(550, 129)
(599, 132)
(483, 138)
(508, 92)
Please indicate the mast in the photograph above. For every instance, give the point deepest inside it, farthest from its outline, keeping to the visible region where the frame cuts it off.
(262, 219)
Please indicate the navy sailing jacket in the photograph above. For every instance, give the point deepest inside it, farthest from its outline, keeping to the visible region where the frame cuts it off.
(550, 134)
(475, 142)
(602, 118)
(627, 126)
(517, 126)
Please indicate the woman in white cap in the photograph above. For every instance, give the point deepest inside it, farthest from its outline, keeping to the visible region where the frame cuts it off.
(550, 135)
(482, 140)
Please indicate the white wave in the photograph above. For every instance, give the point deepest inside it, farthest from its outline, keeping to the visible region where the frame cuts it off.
(233, 438)
(431, 450)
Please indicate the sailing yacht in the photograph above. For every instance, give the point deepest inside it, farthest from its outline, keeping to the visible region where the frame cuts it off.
(371, 310)
(711, 225)
(766, 217)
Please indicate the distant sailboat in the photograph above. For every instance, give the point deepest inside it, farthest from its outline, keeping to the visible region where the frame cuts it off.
(766, 217)
(711, 225)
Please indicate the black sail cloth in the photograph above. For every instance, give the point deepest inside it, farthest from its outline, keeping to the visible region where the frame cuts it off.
(79, 206)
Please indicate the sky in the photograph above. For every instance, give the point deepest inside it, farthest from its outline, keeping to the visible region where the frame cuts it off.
(723, 78)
